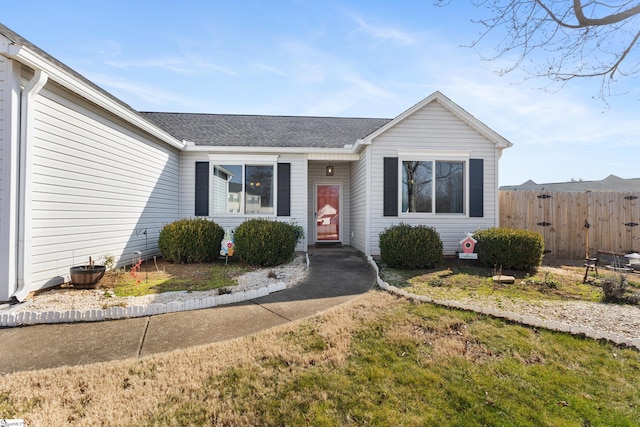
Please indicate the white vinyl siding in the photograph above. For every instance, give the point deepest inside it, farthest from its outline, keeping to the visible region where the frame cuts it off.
(299, 194)
(298, 190)
(359, 203)
(9, 134)
(97, 185)
(3, 137)
(6, 281)
(433, 128)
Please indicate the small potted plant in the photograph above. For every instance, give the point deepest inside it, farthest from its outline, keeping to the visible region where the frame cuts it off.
(87, 276)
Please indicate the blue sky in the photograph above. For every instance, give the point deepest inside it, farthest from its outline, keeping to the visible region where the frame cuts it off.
(335, 58)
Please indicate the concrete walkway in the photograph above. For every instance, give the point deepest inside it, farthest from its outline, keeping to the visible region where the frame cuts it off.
(336, 275)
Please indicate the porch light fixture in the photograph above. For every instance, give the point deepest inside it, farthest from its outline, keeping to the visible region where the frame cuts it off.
(330, 170)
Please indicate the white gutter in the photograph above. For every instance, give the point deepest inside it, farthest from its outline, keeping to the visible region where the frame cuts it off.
(315, 152)
(35, 61)
(25, 154)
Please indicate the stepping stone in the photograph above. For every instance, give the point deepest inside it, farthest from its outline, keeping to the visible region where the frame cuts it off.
(504, 279)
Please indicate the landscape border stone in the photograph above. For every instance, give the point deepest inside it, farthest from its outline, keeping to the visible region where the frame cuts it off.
(25, 318)
(526, 320)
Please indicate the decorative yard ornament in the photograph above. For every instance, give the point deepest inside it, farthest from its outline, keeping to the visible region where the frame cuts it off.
(227, 246)
(468, 245)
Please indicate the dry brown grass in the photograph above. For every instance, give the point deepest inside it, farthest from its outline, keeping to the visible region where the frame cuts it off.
(378, 360)
(129, 391)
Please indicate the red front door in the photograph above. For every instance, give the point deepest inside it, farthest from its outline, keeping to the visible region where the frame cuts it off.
(328, 212)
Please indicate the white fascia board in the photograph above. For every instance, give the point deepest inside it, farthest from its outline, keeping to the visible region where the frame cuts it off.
(435, 154)
(312, 153)
(243, 158)
(333, 156)
(33, 60)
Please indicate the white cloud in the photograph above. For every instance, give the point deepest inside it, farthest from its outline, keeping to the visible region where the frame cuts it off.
(382, 34)
(188, 65)
(269, 69)
(151, 96)
(175, 65)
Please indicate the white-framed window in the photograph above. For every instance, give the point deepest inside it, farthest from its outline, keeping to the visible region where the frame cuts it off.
(433, 183)
(246, 189)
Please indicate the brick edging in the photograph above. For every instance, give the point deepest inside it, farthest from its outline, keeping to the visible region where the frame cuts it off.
(24, 318)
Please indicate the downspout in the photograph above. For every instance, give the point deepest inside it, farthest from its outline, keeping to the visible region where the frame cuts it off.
(498, 156)
(368, 195)
(25, 154)
(365, 144)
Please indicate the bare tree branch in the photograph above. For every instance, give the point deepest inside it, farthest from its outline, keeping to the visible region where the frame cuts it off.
(575, 38)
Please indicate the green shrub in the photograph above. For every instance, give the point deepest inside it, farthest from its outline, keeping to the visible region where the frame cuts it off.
(190, 240)
(407, 247)
(509, 249)
(297, 230)
(614, 288)
(263, 243)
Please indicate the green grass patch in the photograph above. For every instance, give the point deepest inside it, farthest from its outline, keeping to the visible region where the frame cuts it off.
(175, 277)
(455, 280)
(427, 365)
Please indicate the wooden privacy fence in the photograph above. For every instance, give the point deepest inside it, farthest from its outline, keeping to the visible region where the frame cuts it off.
(575, 224)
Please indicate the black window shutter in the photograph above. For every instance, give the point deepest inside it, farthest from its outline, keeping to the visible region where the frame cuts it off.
(284, 189)
(476, 188)
(202, 188)
(390, 191)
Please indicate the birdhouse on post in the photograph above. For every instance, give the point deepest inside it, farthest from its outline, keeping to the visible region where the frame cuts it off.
(468, 245)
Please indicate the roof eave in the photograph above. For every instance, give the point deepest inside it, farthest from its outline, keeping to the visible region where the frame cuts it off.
(189, 146)
(31, 59)
(309, 151)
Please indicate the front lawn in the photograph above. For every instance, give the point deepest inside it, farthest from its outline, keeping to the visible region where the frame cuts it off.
(457, 280)
(378, 360)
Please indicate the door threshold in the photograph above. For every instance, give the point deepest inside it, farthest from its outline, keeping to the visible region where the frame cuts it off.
(328, 244)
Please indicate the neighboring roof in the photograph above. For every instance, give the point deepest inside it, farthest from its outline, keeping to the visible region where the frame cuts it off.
(610, 183)
(230, 130)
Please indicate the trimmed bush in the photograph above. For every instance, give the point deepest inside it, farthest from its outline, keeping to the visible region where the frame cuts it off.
(190, 240)
(509, 249)
(614, 288)
(407, 247)
(264, 243)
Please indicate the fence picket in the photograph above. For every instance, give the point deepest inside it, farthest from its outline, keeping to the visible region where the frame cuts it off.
(610, 217)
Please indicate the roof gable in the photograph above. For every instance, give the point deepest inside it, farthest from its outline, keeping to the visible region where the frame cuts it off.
(452, 107)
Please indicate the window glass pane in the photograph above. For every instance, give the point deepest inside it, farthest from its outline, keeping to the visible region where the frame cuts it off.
(449, 187)
(259, 189)
(417, 186)
(227, 188)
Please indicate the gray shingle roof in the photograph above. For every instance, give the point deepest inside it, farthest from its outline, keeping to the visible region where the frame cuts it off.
(610, 183)
(239, 130)
(232, 130)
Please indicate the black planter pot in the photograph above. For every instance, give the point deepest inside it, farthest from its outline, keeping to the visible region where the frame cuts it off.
(86, 276)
